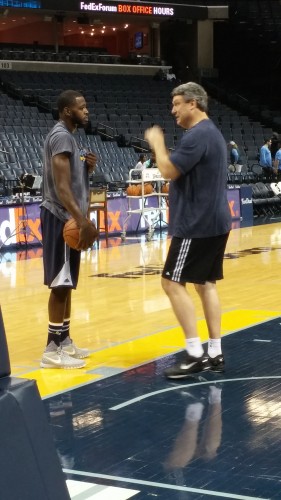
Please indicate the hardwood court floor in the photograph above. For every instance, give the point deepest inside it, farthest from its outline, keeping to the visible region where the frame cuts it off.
(120, 429)
(119, 310)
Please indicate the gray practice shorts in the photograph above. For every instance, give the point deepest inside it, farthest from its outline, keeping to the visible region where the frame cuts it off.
(61, 263)
(195, 260)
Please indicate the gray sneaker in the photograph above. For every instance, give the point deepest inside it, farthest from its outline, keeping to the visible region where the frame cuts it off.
(72, 350)
(60, 359)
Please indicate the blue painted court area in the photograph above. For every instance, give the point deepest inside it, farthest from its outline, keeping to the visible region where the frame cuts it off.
(211, 436)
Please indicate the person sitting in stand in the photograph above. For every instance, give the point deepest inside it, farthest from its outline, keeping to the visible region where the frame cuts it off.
(151, 163)
(139, 166)
(170, 75)
(141, 163)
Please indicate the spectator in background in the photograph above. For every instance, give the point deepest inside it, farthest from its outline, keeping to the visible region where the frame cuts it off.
(266, 159)
(235, 161)
(277, 162)
(151, 163)
(141, 163)
(275, 144)
(171, 77)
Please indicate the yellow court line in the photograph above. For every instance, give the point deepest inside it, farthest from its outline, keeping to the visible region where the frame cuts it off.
(51, 381)
(137, 352)
(238, 319)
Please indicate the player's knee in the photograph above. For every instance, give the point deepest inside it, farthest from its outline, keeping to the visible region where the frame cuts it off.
(170, 287)
(164, 284)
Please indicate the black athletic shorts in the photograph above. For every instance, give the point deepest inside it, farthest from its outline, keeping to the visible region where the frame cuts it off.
(195, 260)
(61, 263)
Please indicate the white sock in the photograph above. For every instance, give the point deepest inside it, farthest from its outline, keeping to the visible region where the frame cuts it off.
(214, 347)
(194, 411)
(214, 395)
(194, 347)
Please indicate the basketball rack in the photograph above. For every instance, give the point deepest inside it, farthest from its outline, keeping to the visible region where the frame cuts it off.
(151, 175)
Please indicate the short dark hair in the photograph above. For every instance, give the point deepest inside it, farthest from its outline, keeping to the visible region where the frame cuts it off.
(67, 98)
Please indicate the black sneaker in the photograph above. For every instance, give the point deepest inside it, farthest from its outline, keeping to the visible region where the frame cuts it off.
(187, 367)
(216, 364)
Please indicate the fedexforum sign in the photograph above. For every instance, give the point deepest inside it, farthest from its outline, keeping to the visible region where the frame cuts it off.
(176, 11)
(126, 8)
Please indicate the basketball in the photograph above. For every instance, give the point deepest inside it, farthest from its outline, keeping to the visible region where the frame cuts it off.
(131, 190)
(134, 190)
(138, 190)
(71, 233)
(148, 188)
(165, 188)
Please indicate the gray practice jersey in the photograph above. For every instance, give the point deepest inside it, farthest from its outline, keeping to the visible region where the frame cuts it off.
(60, 140)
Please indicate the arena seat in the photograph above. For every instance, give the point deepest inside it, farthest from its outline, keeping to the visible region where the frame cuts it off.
(265, 202)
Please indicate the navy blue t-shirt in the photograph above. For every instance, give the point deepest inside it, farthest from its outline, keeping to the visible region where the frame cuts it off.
(198, 199)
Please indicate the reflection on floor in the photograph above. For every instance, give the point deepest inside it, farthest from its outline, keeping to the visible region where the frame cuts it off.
(210, 436)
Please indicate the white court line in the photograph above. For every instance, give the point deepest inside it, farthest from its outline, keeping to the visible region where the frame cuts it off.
(163, 485)
(193, 384)
(80, 490)
(262, 340)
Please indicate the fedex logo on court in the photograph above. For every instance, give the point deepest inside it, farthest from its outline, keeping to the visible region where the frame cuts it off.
(234, 203)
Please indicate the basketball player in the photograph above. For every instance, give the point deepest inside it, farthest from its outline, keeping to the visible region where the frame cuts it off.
(200, 224)
(66, 170)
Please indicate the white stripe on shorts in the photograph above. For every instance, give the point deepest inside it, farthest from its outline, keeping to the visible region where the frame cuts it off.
(63, 278)
(181, 259)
